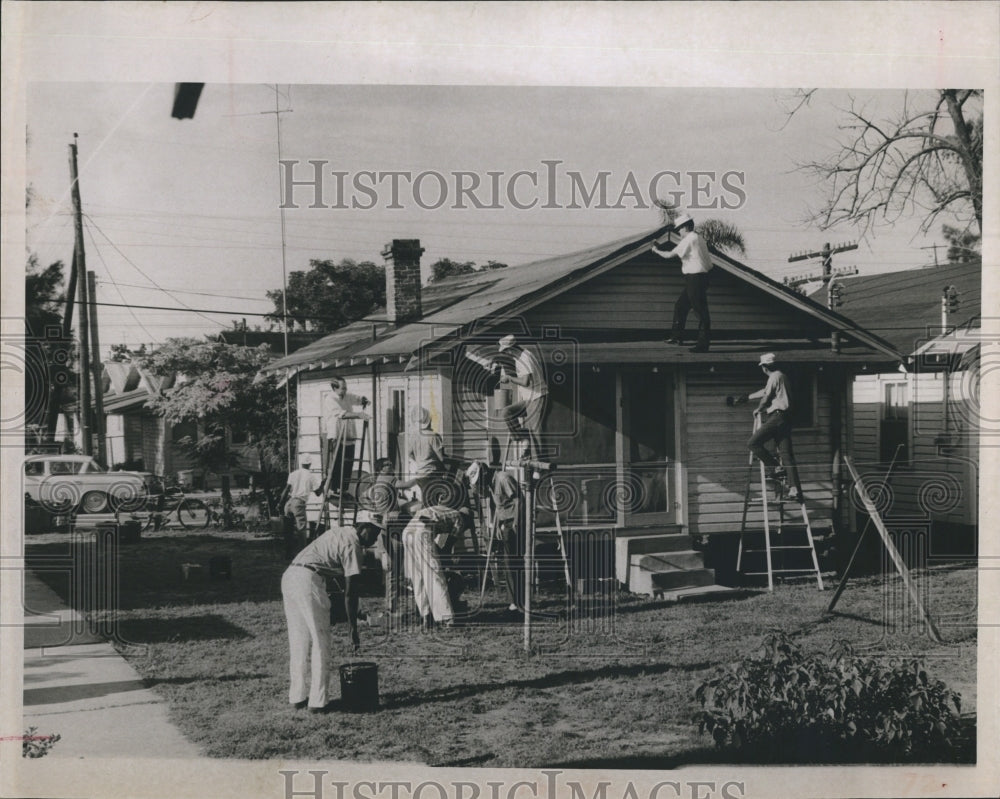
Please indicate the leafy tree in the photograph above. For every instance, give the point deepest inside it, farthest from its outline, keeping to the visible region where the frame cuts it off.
(448, 268)
(924, 157)
(217, 387)
(44, 299)
(330, 295)
(122, 353)
(963, 245)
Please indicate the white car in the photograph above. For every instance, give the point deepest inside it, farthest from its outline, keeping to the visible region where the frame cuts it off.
(68, 483)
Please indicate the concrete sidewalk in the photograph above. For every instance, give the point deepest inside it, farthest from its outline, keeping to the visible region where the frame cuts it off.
(77, 686)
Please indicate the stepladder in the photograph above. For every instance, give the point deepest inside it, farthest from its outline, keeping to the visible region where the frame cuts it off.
(779, 545)
(345, 477)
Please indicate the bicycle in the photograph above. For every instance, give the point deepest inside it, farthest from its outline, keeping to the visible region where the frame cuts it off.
(191, 513)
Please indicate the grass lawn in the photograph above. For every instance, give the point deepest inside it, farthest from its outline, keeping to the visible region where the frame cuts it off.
(613, 691)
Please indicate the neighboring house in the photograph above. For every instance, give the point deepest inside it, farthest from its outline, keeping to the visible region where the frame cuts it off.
(926, 415)
(139, 439)
(643, 438)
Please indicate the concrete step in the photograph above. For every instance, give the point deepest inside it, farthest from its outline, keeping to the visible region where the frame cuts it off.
(667, 561)
(650, 583)
(698, 592)
(668, 538)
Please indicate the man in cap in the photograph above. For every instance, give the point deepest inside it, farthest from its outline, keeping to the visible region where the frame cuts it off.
(341, 431)
(532, 392)
(307, 607)
(422, 536)
(426, 455)
(301, 483)
(775, 424)
(696, 263)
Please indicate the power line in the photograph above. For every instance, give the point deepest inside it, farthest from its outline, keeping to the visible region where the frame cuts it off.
(141, 272)
(100, 257)
(198, 293)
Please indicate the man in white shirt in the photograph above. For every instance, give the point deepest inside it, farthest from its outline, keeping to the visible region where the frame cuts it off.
(339, 416)
(696, 263)
(773, 408)
(531, 406)
(307, 607)
(301, 483)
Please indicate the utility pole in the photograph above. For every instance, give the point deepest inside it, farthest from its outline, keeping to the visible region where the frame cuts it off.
(99, 420)
(828, 272)
(80, 267)
(65, 347)
(284, 279)
(934, 247)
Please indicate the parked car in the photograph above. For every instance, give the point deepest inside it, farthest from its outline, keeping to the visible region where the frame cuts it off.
(77, 483)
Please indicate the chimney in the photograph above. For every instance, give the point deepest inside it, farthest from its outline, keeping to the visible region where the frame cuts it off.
(402, 280)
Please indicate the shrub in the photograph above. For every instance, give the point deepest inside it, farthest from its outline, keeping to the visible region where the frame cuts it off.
(784, 705)
(33, 745)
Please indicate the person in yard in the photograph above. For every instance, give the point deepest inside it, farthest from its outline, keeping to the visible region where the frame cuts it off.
(509, 533)
(775, 402)
(531, 407)
(301, 483)
(338, 417)
(307, 607)
(696, 264)
(426, 456)
(424, 536)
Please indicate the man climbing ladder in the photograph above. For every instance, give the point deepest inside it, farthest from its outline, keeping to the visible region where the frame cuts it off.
(774, 411)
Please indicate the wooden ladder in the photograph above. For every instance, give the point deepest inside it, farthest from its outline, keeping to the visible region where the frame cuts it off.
(349, 475)
(769, 547)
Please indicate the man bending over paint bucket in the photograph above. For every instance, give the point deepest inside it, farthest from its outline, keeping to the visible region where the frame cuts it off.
(307, 607)
(430, 531)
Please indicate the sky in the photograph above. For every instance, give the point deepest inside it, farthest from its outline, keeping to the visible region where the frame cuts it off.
(185, 213)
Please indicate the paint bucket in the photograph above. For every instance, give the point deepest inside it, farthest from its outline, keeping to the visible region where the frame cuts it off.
(359, 687)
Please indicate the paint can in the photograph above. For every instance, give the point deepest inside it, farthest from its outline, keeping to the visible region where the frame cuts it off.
(359, 687)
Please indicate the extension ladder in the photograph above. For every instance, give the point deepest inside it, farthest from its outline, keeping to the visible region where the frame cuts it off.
(778, 528)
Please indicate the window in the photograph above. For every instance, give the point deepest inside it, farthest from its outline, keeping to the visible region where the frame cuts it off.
(65, 467)
(34, 468)
(894, 426)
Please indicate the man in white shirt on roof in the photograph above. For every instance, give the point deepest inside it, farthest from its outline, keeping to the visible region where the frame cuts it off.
(696, 263)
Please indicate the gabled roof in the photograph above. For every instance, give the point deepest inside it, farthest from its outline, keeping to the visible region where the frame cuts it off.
(904, 307)
(455, 307)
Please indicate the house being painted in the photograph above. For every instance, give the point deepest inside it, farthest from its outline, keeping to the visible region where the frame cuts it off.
(644, 442)
(926, 415)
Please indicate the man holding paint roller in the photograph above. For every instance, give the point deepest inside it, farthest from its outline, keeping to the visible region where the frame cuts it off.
(307, 607)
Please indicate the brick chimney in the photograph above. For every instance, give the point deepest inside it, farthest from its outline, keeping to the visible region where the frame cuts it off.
(402, 280)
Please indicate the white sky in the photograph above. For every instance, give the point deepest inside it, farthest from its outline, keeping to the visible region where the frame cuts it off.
(185, 212)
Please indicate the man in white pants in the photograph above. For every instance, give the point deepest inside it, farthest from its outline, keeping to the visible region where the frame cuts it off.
(307, 607)
(301, 483)
(422, 561)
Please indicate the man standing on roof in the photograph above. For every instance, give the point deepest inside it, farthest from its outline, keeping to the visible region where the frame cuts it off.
(692, 253)
(773, 408)
(532, 392)
(341, 432)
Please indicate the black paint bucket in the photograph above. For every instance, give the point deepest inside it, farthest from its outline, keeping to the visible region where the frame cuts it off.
(359, 687)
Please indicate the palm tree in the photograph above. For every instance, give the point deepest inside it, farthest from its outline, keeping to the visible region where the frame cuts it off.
(717, 234)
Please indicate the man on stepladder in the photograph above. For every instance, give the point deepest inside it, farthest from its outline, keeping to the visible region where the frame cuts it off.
(773, 409)
(531, 408)
(696, 263)
(339, 415)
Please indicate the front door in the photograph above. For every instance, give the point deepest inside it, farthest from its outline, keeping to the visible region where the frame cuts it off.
(647, 476)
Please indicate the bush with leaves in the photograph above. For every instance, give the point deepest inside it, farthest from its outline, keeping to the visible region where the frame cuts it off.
(33, 745)
(787, 706)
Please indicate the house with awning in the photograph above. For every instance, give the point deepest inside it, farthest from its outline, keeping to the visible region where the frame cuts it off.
(917, 428)
(639, 430)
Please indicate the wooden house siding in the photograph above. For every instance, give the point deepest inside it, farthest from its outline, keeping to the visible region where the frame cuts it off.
(717, 458)
(939, 481)
(640, 295)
